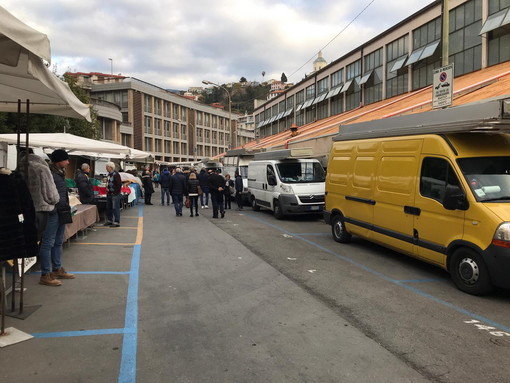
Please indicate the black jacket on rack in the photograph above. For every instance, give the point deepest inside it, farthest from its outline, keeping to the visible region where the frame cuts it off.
(18, 233)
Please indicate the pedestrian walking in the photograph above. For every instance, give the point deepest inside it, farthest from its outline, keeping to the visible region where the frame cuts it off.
(216, 185)
(113, 196)
(202, 177)
(85, 188)
(239, 189)
(164, 180)
(193, 189)
(178, 189)
(147, 185)
(50, 251)
(156, 178)
(227, 192)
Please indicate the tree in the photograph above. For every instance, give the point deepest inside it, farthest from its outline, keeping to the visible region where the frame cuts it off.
(243, 79)
(284, 78)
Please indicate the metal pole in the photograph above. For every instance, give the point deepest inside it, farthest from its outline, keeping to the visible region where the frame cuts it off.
(446, 32)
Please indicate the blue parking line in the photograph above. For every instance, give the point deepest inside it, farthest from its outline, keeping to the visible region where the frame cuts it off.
(422, 280)
(92, 272)
(312, 234)
(386, 278)
(127, 373)
(65, 334)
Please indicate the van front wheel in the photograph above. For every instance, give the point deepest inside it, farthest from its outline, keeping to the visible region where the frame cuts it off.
(338, 229)
(278, 213)
(469, 272)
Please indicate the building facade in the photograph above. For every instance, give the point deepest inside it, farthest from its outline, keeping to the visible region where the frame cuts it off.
(171, 127)
(398, 61)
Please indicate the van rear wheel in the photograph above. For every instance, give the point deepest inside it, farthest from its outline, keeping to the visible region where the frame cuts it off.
(338, 229)
(469, 272)
(254, 205)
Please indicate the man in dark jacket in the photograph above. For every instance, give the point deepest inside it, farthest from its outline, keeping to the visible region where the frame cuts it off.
(178, 190)
(113, 196)
(85, 189)
(216, 185)
(50, 252)
(239, 190)
(165, 181)
(202, 177)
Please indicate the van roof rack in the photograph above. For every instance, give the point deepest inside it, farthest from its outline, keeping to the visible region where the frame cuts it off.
(492, 115)
(284, 154)
(241, 152)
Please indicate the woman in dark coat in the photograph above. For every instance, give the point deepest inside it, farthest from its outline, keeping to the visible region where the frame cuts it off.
(193, 192)
(147, 185)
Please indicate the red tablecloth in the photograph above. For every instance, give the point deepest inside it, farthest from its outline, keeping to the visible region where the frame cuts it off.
(101, 190)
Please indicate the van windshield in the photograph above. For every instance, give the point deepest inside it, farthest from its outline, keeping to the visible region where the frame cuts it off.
(300, 172)
(488, 177)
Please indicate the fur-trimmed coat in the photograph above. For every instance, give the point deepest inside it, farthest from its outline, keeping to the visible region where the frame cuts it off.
(41, 184)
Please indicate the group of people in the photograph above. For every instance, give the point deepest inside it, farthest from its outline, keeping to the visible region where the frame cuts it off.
(49, 192)
(193, 186)
(48, 189)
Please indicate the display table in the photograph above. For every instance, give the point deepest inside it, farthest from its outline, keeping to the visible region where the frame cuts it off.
(85, 216)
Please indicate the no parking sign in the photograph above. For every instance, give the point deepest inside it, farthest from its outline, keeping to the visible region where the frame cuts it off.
(442, 87)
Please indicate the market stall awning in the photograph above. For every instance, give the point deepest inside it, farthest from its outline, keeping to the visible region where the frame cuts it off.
(14, 35)
(23, 75)
(71, 143)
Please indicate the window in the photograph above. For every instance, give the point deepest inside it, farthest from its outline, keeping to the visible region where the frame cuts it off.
(148, 104)
(499, 37)
(300, 97)
(372, 78)
(465, 41)
(148, 124)
(270, 174)
(426, 55)
(310, 92)
(322, 86)
(396, 81)
(436, 175)
(337, 78)
(148, 144)
(488, 177)
(300, 172)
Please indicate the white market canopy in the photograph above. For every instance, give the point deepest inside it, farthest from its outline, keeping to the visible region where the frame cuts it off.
(23, 75)
(76, 145)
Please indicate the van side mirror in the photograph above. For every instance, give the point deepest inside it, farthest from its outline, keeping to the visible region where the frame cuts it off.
(454, 198)
(271, 180)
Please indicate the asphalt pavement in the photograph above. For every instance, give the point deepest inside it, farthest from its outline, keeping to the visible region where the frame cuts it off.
(176, 299)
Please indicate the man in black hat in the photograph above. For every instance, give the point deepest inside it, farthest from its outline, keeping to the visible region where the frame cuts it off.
(50, 251)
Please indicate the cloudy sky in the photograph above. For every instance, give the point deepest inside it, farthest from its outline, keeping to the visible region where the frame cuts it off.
(178, 43)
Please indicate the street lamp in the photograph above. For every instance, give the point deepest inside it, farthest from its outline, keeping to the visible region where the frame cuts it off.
(231, 144)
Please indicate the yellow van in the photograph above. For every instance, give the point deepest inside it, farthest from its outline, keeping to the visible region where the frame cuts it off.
(435, 186)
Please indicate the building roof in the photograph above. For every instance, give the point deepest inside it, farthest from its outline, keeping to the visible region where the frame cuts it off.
(487, 83)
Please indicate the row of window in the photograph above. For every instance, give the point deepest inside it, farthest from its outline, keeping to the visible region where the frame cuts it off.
(173, 147)
(367, 80)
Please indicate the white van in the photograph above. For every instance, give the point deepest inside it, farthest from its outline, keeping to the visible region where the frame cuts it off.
(237, 160)
(286, 184)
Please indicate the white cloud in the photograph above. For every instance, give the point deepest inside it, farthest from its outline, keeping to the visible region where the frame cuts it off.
(177, 44)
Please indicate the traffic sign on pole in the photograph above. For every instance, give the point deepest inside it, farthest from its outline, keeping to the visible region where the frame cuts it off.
(442, 87)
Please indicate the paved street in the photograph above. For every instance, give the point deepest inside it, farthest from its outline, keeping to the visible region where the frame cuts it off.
(248, 298)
